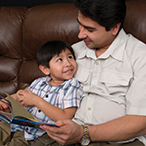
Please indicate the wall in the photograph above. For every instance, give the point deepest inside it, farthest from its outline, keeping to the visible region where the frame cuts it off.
(30, 3)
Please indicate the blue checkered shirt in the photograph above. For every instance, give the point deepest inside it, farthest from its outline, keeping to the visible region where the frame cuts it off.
(65, 95)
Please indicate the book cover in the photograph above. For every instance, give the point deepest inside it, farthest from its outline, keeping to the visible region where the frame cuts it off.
(19, 115)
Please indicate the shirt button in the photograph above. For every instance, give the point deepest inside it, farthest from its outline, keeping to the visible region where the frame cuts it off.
(39, 110)
(46, 96)
(89, 108)
(26, 129)
(96, 63)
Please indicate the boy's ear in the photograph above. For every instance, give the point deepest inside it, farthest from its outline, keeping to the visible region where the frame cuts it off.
(44, 69)
(116, 29)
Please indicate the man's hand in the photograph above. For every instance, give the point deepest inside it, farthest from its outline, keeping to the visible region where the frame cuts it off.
(68, 132)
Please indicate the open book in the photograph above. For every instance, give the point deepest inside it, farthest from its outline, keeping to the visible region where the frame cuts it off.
(19, 115)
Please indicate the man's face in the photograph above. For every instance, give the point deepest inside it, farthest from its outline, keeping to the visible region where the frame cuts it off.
(93, 34)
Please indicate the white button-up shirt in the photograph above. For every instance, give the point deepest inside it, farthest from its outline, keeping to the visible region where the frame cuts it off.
(114, 84)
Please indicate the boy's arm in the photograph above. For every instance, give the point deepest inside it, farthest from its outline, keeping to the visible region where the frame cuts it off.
(27, 98)
(53, 112)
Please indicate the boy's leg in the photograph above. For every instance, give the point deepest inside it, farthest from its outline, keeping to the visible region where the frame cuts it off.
(5, 133)
(11, 139)
(17, 139)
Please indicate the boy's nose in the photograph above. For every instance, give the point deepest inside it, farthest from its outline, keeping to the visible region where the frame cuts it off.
(67, 63)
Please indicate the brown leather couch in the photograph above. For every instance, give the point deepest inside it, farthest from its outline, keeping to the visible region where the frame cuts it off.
(24, 30)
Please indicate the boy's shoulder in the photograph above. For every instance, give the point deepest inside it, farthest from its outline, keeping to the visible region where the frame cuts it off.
(40, 80)
(72, 82)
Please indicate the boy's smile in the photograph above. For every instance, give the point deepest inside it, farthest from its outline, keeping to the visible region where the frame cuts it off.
(69, 71)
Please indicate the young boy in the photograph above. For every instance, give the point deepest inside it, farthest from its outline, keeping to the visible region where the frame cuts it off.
(49, 98)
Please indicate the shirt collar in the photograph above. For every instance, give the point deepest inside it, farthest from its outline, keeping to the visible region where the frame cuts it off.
(47, 80)
(116, 49)
(87, 52)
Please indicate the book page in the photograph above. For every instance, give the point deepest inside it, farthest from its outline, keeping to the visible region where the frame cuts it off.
(6, 117)
(19, 114)
(17, 109)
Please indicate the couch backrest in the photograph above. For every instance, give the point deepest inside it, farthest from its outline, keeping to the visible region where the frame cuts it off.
(24, 30)
(135, 21)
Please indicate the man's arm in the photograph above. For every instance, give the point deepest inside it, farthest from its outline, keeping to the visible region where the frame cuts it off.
(120, 129)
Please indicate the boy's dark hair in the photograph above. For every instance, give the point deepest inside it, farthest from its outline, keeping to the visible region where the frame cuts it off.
(107, 13)
(49, 50)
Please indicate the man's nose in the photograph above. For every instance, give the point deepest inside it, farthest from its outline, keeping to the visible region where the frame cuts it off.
(82, 34)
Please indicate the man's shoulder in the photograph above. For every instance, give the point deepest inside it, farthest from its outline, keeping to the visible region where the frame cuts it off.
(80, 43)
(79, 46)
(135, 46)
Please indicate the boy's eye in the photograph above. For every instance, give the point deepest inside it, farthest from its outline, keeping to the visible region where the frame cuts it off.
(59, 60)
(70, 57)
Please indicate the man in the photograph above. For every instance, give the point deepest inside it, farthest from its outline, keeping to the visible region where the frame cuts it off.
(112, 71)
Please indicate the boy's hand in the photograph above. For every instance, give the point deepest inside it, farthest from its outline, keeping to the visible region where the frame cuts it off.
(4, 107)
(25, 98)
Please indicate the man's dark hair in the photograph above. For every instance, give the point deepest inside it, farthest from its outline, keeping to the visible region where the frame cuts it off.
(49, 50)
(107, 13)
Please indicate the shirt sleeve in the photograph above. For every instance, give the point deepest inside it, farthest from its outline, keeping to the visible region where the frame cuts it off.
(73, 94)
(136, 95)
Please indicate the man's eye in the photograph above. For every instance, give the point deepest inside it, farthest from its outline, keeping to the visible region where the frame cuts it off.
(90, 30)
(59, 60)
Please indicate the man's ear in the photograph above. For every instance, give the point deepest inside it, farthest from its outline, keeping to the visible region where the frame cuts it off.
(44, 69)
(115, 29)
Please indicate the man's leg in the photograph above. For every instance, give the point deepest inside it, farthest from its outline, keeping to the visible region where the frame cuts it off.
(45, 140)
(134, 143)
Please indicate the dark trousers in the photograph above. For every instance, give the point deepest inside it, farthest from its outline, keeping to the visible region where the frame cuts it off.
(45, 140)
(8, 138)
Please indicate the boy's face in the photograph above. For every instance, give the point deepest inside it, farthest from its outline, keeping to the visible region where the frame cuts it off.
(62, 67)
